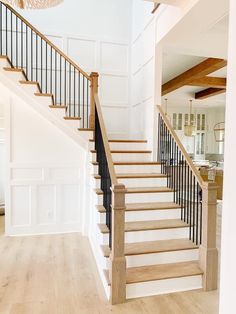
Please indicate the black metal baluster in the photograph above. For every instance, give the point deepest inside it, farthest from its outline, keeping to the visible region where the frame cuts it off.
(191, 207)
(51, 70)
(6, 26)
(55, 78)
(79, 96)
(60, 83)
(22, 44)
(46, 65)
(26, 50)
(194, 222)
(36, 66)
(65, 102)
(83, 104)
(197, 215)
(1, 49)
(32, 56)
(70, 104)
(12, 61)
(16, 18)
(74, 95)
(87, 103)
(41, 64)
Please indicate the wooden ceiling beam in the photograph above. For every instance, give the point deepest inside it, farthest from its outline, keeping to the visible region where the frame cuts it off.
(209, 81)
(209, 92)
(204, 68)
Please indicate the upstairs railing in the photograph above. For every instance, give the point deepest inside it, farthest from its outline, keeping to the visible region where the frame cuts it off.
(42, 62)
(114, 203)
(197, 199)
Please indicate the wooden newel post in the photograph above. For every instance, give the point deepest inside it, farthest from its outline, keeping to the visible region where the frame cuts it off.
(208, 251)
(117, 269)
(94, 90)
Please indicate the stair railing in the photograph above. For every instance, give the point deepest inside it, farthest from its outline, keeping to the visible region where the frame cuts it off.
(197, 198)
(42, 62)
(114, 204)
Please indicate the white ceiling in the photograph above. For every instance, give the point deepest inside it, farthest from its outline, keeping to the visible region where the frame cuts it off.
(193, 40)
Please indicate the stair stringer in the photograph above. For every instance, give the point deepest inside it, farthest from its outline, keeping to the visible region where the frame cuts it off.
(10, 84)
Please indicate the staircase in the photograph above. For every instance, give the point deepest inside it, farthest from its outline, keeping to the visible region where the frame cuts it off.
(153, 222)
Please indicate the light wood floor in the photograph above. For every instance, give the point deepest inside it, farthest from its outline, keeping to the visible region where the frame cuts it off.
(56, 274)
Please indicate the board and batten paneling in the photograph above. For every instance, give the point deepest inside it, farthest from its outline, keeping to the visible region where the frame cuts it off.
(111, 59)
(46, 175)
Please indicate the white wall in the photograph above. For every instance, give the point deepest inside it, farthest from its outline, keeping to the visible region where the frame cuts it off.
(96, 34)
(2, 155)
(148, 31)
(46, 180)
(228, 255)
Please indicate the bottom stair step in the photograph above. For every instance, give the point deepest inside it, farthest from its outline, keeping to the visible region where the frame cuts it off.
(160, 272)
(150, 247)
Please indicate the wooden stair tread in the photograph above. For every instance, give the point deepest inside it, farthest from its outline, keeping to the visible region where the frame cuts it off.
(136, 163)
(136, 175)
(57, 107)
(43, 94)
(72, 118)
(28, 82)
(161, 272)
(124, 141)
(159, 189)
(151, 247)
(144, 206)
(13, 69)
(127, 151)
(149, 225)
(85, 129)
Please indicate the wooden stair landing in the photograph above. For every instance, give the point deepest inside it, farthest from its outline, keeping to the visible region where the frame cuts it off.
(136, 176)
(151, 247)
(160, 272)
(148, 225)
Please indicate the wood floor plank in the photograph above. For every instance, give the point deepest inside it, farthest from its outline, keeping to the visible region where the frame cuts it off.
(75, 284)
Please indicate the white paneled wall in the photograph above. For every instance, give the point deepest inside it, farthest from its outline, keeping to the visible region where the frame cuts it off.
(96, 34)
(46, 182)
(2, 155)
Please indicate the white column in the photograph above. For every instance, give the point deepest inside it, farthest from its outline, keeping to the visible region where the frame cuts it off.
(228, 260)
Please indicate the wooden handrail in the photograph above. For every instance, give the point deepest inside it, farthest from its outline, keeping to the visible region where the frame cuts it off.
(105, 141)
(47, 40)
(181, 147)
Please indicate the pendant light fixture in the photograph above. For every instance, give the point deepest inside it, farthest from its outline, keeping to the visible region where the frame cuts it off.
(33, 4)
(166, 109)
(219, 132)
(190, 127)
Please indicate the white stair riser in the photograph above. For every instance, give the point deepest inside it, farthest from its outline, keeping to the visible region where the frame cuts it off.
(141, 198)
(144, 182)
(160, 258)
(146, 215)
(4, 63)
(127, 146)
(86, 134)
(60, 113)
(30, 88)
(131, 157)
(139, 182)
(137, 168)
(15, 76)
(152, 235)
(163, 286)
(149, 197)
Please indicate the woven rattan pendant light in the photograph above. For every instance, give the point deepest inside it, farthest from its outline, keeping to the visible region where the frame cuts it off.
(34, 4)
